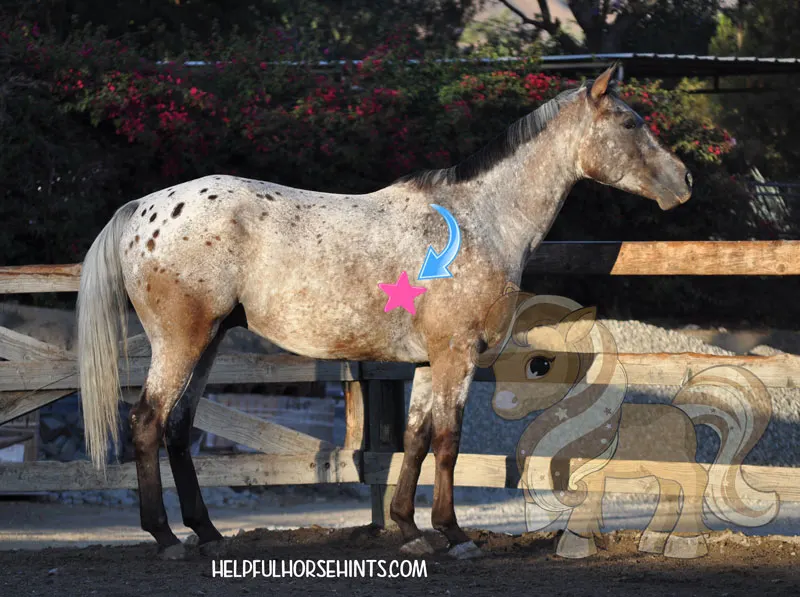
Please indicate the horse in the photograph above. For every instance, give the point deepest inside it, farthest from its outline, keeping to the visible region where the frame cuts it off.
(550, 354)
(301, 268)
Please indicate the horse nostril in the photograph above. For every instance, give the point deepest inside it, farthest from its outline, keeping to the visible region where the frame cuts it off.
(689, 180)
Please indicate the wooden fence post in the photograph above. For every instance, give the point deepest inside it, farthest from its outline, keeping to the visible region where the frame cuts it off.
(385, 428)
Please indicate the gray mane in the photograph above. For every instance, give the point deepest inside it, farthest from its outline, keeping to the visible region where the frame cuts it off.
(499, 148)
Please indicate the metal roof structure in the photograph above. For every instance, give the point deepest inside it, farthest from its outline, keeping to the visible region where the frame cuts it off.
(642, 65)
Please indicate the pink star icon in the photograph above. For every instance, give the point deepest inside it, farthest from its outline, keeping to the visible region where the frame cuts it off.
(401, 294)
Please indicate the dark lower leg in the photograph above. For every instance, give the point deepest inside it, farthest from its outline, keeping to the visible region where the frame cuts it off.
(415, 447)
(193, 509)
(443, 517)
(147, 433)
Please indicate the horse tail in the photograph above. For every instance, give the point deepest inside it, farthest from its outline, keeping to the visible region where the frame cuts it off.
(737, 406)
(102, 322)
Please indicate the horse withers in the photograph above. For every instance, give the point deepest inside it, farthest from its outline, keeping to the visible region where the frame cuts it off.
(302, 268)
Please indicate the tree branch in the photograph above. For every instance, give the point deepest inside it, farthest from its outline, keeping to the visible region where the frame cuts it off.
(546, 24)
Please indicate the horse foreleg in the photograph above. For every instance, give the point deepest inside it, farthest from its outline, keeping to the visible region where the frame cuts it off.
(452, 372)
(178, 436)
(416, 442)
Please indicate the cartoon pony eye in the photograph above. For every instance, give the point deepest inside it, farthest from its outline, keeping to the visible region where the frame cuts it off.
(538, 367)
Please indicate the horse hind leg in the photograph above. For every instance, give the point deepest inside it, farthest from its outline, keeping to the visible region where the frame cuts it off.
(174, 357)
(416, 441)
(178, 440)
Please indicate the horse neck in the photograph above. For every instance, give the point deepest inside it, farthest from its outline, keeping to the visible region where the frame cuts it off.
(523, 194)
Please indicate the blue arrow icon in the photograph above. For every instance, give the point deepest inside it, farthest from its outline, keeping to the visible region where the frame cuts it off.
(435, 264)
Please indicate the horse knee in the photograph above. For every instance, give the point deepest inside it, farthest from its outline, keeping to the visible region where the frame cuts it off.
(445, 449)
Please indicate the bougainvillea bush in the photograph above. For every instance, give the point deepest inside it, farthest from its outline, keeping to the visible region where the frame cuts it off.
(88, 125)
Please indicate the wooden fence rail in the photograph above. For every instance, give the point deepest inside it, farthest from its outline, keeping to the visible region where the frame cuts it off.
(35, 373)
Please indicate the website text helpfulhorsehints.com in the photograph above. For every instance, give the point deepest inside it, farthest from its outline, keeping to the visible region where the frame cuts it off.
(370, 568)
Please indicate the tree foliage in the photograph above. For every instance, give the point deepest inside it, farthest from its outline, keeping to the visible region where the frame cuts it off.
(684, 26)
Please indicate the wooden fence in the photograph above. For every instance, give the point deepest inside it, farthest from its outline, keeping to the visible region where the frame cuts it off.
(36, 373)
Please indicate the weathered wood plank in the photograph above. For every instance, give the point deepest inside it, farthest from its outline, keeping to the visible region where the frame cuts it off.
(489, 470)
(354, 411)
(19, 347)
(18, 404)
(228, 368)
(656, 258)
(250, 431)
(668, 369)
(779, 371)
(338, 466)
(40, 278)
(385, 426)
(669, 258)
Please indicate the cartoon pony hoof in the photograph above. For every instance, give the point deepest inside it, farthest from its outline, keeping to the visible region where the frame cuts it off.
(575, 547)
(653, 541)
(686, 547)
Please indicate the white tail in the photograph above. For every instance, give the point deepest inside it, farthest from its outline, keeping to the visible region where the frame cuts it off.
(102, 323)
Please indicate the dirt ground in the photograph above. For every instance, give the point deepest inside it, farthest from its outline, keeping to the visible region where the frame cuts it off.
(515, 565)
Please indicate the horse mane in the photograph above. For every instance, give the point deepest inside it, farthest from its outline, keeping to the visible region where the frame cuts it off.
(501, 147)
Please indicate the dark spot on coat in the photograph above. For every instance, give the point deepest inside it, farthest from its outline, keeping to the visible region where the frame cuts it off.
(319, 236)
(151, 244)
(230, 190)
(278, 193)
(156, 233)
(263, 215)
(212, 196)
(136, 238)
(354, 205)
(163, 269)
(130, 246)
(319, 242)
(153, 217)
(217, 237)
(185, 238)
(297, 218)
(151, 207)
(155, 269)
(298, 207)
(203, 191)
(178, 209)
(208, 242)
(270, 197)
(234, 222)
(148, 287)
(201, 280)
(216, 178)
(407, 199)
(292, 224)
(171, 194)
(144, 212)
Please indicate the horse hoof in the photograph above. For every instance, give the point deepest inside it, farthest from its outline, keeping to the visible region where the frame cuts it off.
(685, 548)
(653, 541)
(465, 551)
(173, 552)
(417, 547)
(191, 541)
(575, 547)
(214, 549)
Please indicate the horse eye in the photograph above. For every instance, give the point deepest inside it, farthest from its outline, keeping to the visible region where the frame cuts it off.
(629, 124)
(537, 367)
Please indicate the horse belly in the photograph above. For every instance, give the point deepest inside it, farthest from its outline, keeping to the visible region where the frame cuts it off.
(335, 331)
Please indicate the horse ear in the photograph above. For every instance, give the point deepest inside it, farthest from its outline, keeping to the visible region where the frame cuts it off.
(601, 84)
(578, 324)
